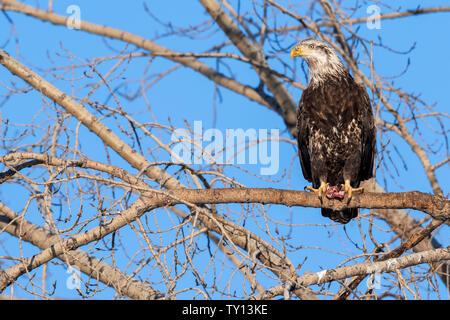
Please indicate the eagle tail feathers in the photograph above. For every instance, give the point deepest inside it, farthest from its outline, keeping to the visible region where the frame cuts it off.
(341, 216)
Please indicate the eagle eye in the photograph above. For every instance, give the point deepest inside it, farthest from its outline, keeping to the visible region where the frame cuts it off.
(311, 46)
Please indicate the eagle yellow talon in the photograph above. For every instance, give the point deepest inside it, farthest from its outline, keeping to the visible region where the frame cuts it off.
(321, 190)
(348, 189)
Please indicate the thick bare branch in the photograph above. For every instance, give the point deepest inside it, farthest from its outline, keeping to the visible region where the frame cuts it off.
(436, 206)
(154, 48)
(275, 260)
(413, 240)
(72, 193)
(63, 247)
(363, 269)
(253, 51)
(95, 268)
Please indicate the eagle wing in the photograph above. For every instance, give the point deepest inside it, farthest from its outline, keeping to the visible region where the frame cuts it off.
(368, 136)
(303, 141)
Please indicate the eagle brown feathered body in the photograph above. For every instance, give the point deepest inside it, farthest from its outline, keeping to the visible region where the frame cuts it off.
(335, 131)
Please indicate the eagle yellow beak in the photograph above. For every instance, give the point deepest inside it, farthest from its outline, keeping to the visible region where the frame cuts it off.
(298, 51)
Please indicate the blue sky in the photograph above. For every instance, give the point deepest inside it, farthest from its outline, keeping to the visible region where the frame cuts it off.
(185, 95)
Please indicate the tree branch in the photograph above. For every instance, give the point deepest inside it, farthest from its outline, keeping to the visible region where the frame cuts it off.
(384, 16)
(239, 238)
(64, 246)
(436, 206)
(254, 52)
(273, 259)
(363, 269)
(154, 48)
(413, 240)
(93, 267)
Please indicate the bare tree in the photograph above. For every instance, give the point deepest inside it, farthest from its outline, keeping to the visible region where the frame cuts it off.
(136, 206)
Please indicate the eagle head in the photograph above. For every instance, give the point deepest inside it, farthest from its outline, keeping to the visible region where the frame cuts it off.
(322, 60)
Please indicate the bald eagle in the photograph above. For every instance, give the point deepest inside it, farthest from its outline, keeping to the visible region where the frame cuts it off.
(335, 128)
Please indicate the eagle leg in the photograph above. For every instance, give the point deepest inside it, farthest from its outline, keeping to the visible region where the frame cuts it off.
(349, 190)
(321, 190)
